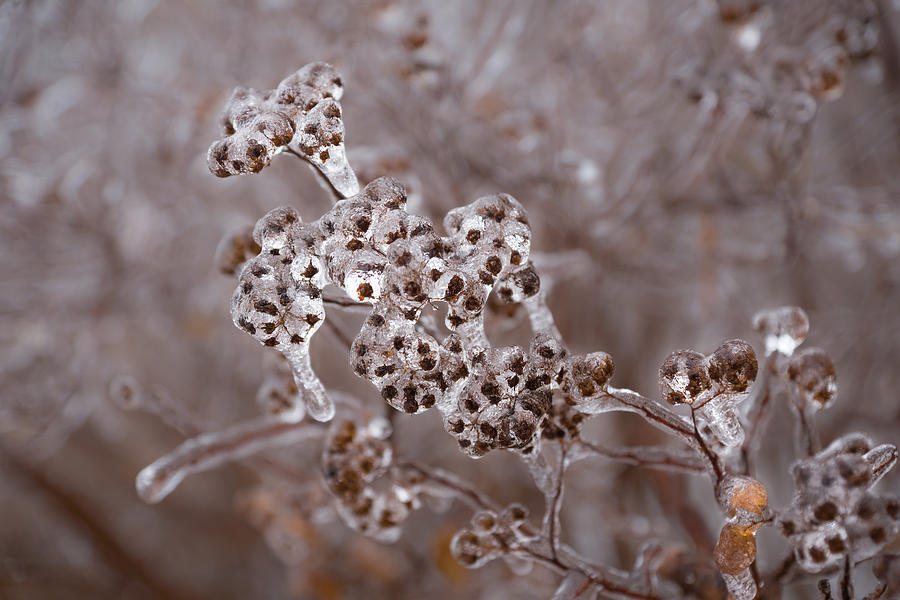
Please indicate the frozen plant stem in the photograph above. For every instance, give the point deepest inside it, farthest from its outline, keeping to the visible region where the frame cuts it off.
(554, 504)
(655, 414)
(324, 181)
(646, 456)
(847, 580)
(161, 404)
(209, 450)
(760, 404)
(565, 561)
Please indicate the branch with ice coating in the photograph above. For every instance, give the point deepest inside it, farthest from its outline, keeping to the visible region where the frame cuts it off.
(530, 399)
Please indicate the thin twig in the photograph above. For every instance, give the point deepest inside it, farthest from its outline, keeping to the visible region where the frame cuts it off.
(652, 412)
(555, 505)
(847, 579)
(762, 408)
(209, 450)
(805, 433)
(710, 456)
(344, 302)
(664, 419)
(175, 415)
(463, 490)
(651, 457)
(335, 194)
(564, 562)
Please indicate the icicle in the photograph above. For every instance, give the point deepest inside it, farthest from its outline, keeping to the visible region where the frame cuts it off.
(319, 405)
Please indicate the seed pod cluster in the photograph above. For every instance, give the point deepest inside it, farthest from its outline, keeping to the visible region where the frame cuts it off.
(355, 460)
(491, 536)
(813, 376)
(834, 513)
(745, 501)
(712, 385)
(369, 246)
(302, 113)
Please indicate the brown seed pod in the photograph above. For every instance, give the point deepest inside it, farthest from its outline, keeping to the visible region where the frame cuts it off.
(814, 377)
(736, 549)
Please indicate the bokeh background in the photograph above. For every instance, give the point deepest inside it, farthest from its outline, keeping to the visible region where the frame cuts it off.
(677, 169)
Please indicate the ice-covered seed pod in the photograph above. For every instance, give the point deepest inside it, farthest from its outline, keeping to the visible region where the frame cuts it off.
(282, 310)
(745, 502)
(126, 392)
(505, 400)
(826, 73)
(234, 249)
(822, 548)
(712, 385)
(485, 521)
(564, 420)
(253, 141)
(278, 392)
(470, 550)
(302, 112)
(684, 379)
(308, 85)
(783, 328)
(732, 367)
(744, 499)
(518, 285)
(514, 514)
(492, 536)
(369, 246)
(358, 469)
(320, 140)
(814, 378)
(834, 513)
(588, 375)
(736, 549)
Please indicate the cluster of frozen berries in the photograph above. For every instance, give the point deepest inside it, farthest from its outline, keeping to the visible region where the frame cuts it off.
(712, 386)
(491, 536)
(373, 497)
(302, 113)
(369, 246)
(834, 513)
